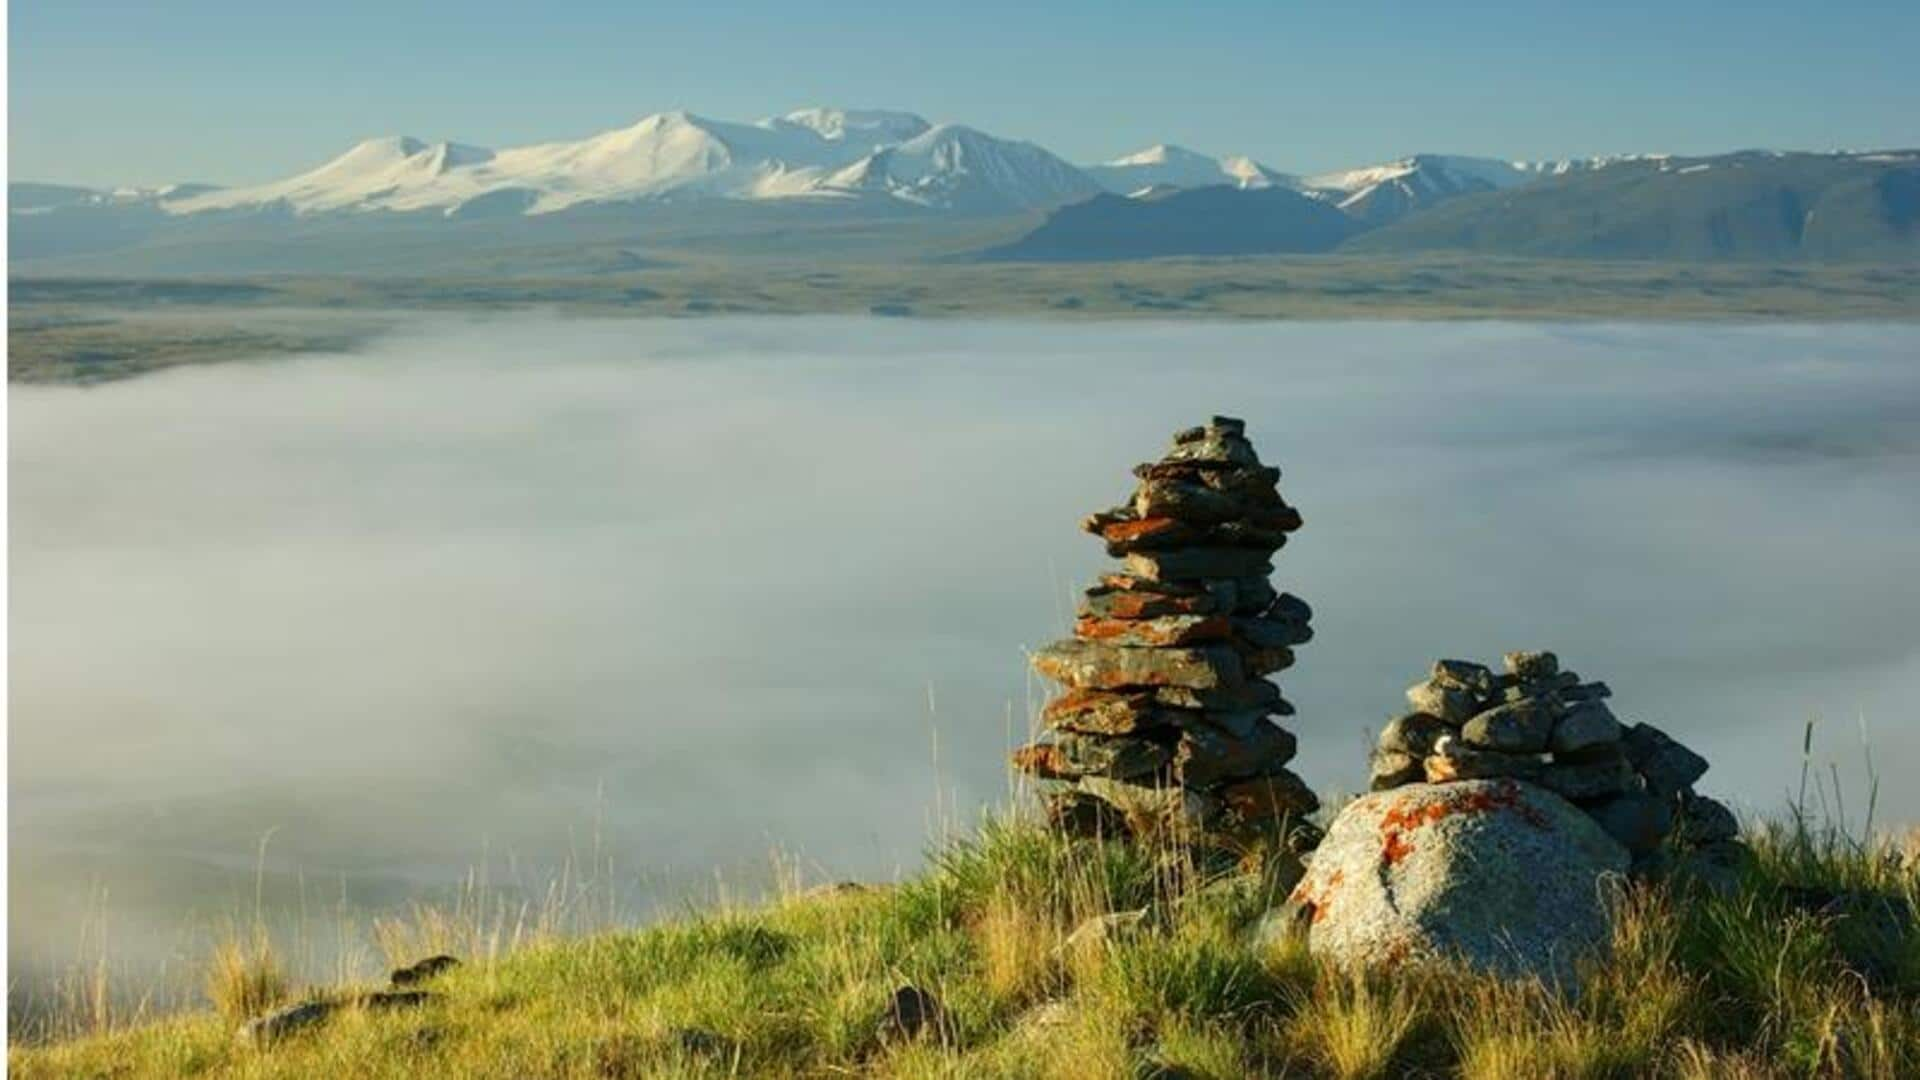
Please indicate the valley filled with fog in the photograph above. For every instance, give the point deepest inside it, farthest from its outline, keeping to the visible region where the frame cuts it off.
(658, 598)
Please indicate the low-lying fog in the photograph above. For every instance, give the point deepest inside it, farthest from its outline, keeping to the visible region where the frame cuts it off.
(494, 591)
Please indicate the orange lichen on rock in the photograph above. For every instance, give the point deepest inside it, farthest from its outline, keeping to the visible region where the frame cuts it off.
(1317, 900)
(1040, 759)
(1121, 531)
(1400, 820)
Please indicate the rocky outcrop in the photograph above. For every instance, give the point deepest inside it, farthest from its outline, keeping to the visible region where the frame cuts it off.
(1538, 723)
(1166, 723)
(1499, 873)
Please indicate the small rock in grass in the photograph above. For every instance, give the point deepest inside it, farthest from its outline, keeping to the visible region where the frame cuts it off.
(1705, 821)
(700, 1042)
(910, 1011)
(277, 1025)
(1103, 929)
(422, 971)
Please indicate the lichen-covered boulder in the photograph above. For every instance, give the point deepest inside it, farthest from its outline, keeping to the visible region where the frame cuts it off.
(1500, 873)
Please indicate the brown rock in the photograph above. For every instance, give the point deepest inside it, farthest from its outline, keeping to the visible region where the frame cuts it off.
(1454, 760)
(1240, 697)
(1190, 564)
(1103, 712)
(1077, 813)
(1392, 769)
(1532, 665)
(1476, 679)
(1276, 795)
(1121, 527)
(1451, 704)
(1215, 447)
(1106, 602)
(1412, 733)
(1155, 810)
(1165, 630)
(1091, 666)
(1205, 757)
(1186, 501)
(1070, 757)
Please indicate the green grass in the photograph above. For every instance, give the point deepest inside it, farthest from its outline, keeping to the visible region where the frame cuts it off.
(1768, 982)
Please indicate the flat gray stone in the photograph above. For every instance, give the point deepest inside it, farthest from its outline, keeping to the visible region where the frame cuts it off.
(1582, 780)
(1392, 769)
(1449, 703)
(1453, 760)
(1092, 666)
(1532, 665)
(1667, 766)
(1518, 727)
(1271, 631)
(1583, 726)
(1189, 564)
(1412, 733)
(1705, 821)
(1476, 679)
(1239, 697)
(1204, 757)
(1636, 821)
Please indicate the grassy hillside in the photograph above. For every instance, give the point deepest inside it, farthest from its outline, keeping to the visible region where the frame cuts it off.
(1813, 969)
(1753, 206)
(92, 329)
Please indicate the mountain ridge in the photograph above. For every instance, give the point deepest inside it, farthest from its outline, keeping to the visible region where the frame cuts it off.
(822, 181)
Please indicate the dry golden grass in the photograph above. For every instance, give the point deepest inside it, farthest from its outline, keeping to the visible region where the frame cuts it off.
(245, 978)
(1352, 1026)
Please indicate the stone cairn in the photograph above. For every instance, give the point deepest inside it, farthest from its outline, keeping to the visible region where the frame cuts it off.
(1164, 728)
(1543, 725)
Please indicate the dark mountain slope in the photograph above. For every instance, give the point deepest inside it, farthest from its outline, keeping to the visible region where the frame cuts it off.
(1754, 205)
(1197, 221)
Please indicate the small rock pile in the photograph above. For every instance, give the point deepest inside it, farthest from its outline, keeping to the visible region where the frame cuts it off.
(1164, 728)
(1542, 725)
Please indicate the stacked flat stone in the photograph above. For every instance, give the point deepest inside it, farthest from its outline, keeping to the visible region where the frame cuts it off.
(1165, 727)
(1543, 725)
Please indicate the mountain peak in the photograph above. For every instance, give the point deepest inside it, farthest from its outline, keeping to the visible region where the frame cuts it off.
(1159, 154)
(880, 125)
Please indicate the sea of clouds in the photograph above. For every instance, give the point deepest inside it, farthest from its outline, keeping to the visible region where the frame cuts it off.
(495, 590)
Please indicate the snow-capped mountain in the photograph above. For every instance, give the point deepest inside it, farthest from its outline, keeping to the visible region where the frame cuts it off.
(1176, 166)
(1377, 194)
(959, 168)
(823, 153)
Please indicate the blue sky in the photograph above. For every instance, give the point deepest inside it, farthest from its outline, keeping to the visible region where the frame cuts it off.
(139, 91)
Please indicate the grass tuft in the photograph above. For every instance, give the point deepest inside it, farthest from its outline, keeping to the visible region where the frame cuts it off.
(245, 979)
